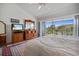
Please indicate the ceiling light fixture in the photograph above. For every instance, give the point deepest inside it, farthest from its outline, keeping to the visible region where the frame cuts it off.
(41, 5)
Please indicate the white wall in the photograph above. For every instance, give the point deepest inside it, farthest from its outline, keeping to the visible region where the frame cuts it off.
(8, 11)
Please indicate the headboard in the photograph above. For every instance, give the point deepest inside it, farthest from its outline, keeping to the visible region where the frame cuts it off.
(2, 27)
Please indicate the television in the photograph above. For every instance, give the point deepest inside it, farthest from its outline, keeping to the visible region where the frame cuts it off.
(17, 26)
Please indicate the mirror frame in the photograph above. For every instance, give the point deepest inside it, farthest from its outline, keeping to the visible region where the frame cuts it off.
(28, 21)
(4, 27)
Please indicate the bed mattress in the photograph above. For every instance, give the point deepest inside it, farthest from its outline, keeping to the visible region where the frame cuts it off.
(45, 46)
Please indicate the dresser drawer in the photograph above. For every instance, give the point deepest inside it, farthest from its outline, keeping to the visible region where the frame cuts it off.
(2, 40)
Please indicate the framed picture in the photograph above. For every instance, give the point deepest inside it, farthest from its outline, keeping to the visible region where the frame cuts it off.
(14, 20)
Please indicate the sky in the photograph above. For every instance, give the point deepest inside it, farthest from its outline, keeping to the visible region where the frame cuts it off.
(59, 23)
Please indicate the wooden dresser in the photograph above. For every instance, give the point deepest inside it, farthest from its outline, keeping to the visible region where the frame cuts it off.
(2, 33)
(17, 37)
(30, 34)
(30, 31)
(2, 39)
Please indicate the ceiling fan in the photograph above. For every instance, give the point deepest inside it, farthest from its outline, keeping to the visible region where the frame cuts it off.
(41, 5)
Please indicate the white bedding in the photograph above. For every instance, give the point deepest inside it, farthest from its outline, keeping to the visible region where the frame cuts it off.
(48, 46)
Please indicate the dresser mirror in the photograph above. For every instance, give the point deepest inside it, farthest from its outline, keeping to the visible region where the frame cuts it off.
(2, 28)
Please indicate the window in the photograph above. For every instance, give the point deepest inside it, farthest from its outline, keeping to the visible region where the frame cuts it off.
(62, 27)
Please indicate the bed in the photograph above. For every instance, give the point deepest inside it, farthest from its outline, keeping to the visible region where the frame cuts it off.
(50, 45)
